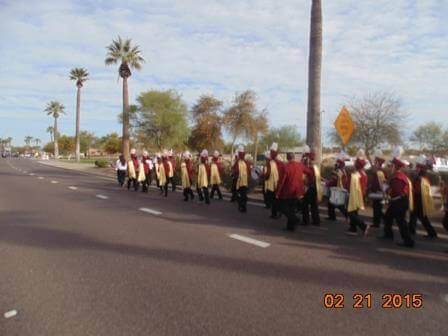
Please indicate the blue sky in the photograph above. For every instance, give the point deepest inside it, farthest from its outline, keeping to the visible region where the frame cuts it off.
(219, 47)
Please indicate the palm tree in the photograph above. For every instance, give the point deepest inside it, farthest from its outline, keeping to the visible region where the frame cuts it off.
(80, 75)
(28, 140)
(129, 57)
(313, 127)
(55, 109)
(37, 142)
(50, 130)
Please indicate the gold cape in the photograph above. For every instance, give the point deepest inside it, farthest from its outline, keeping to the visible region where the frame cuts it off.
(356, 198)
(202, 176)
(242, 176)
(215, 177)
(318, 183)
(185, 176)
(272, 182)
(427, 200)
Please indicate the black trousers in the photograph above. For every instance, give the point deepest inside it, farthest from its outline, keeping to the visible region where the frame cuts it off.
(273, 203)
(165, 189)
(332, 210)
(134, 182)
(397, 211)
(356, 222)
(242, 199)
(203, 194)
(147, 182)
(445, 220)
(378, 215)
(417, 214)
(288, 208)
(172, 180)
(234, 191)
(215, 188)
(188, 192)
(121, 176)
(310, 203)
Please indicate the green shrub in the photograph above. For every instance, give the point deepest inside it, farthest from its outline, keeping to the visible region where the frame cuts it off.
(102, 163)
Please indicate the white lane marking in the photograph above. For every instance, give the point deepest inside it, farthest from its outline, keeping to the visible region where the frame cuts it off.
(256, 204)
(445, 297)
(150, 211)
(54, 182)
(102, 197)
(248, 240)
(10, 313)
(32, 174)
(73, 188)
(40, 178)
(25, 172)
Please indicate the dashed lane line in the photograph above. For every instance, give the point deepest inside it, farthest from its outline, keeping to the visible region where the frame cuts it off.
(150, 211)
(102, 197)
(73, 188)
(54, 182)
(248, 240)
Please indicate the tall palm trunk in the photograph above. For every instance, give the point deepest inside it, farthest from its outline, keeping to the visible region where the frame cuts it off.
(125, 118)
(313, 131)
(78, 116)
(55, 137)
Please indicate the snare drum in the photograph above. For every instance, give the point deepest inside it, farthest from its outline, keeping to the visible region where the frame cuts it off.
(255, 173)
(376, 196)
(338, 196)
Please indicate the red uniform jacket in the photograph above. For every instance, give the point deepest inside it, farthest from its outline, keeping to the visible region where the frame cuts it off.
(280, 169)
(399, 185)
(363, 181)
(219, 164)
(173, 163)
(291, 183)
(145, 165)
(135, 161)
(166, 166)
(376, 187)
(333, 181)
(417, 184)
(190, 169)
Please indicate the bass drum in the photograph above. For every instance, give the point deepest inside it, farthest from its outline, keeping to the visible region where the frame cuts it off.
(338, 196)
(255, 173)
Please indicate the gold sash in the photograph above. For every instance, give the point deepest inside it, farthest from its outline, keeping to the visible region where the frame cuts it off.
(427, 200)
(411, 195)
(170, 173)
(318, 183)
(202, 176)
(162, 175)
(381, 178)
(242, 176)
(131, 170)
(340, 176)
(272, 182)
(185, 176)
(215, 178)
(141, 173)
(356, 199)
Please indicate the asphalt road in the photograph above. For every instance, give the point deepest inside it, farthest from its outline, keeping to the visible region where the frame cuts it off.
(86, 260)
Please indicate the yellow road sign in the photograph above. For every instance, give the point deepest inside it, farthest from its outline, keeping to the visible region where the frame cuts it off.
(344, 125)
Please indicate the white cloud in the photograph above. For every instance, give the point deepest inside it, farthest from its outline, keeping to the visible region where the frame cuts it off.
(220, 47)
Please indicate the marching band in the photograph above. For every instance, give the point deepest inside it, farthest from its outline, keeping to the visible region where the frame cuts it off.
(293, 186)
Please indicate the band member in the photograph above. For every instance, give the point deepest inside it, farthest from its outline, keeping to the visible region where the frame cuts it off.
(146, 172)
(274, 171)
(378, 186)
(234, 180)
(133, 170)
(165, 169)
(157, 164)
(121, 167)
(357, 193)
(215, 175)
(423, 201)
(401, 200)
(264, 176)
(187, 172)
(241, 169)
(203, 178)
(444, 191)
(172, 179)
(171, 160)
(340, 179)
(290, 189)
(313, 193)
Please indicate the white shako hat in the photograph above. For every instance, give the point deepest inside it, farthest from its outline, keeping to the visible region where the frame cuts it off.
(158, 155)
(133, 151)
(170, 152)
(187, 154)
(306, 149)
(361, 154)
(267, 154)
(422, 160)
(145, 152)
(341, 156)
(248, 157)
(378, 154)
(215, 153)
(274, 146)
(164, 153)
(240, 149)
(204, 153)
(397, 152)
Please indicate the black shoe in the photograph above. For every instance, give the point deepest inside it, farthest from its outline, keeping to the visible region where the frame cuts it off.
(332, 219)
(316, 224)
(185, 199)
(290, 228)
(351, 233)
